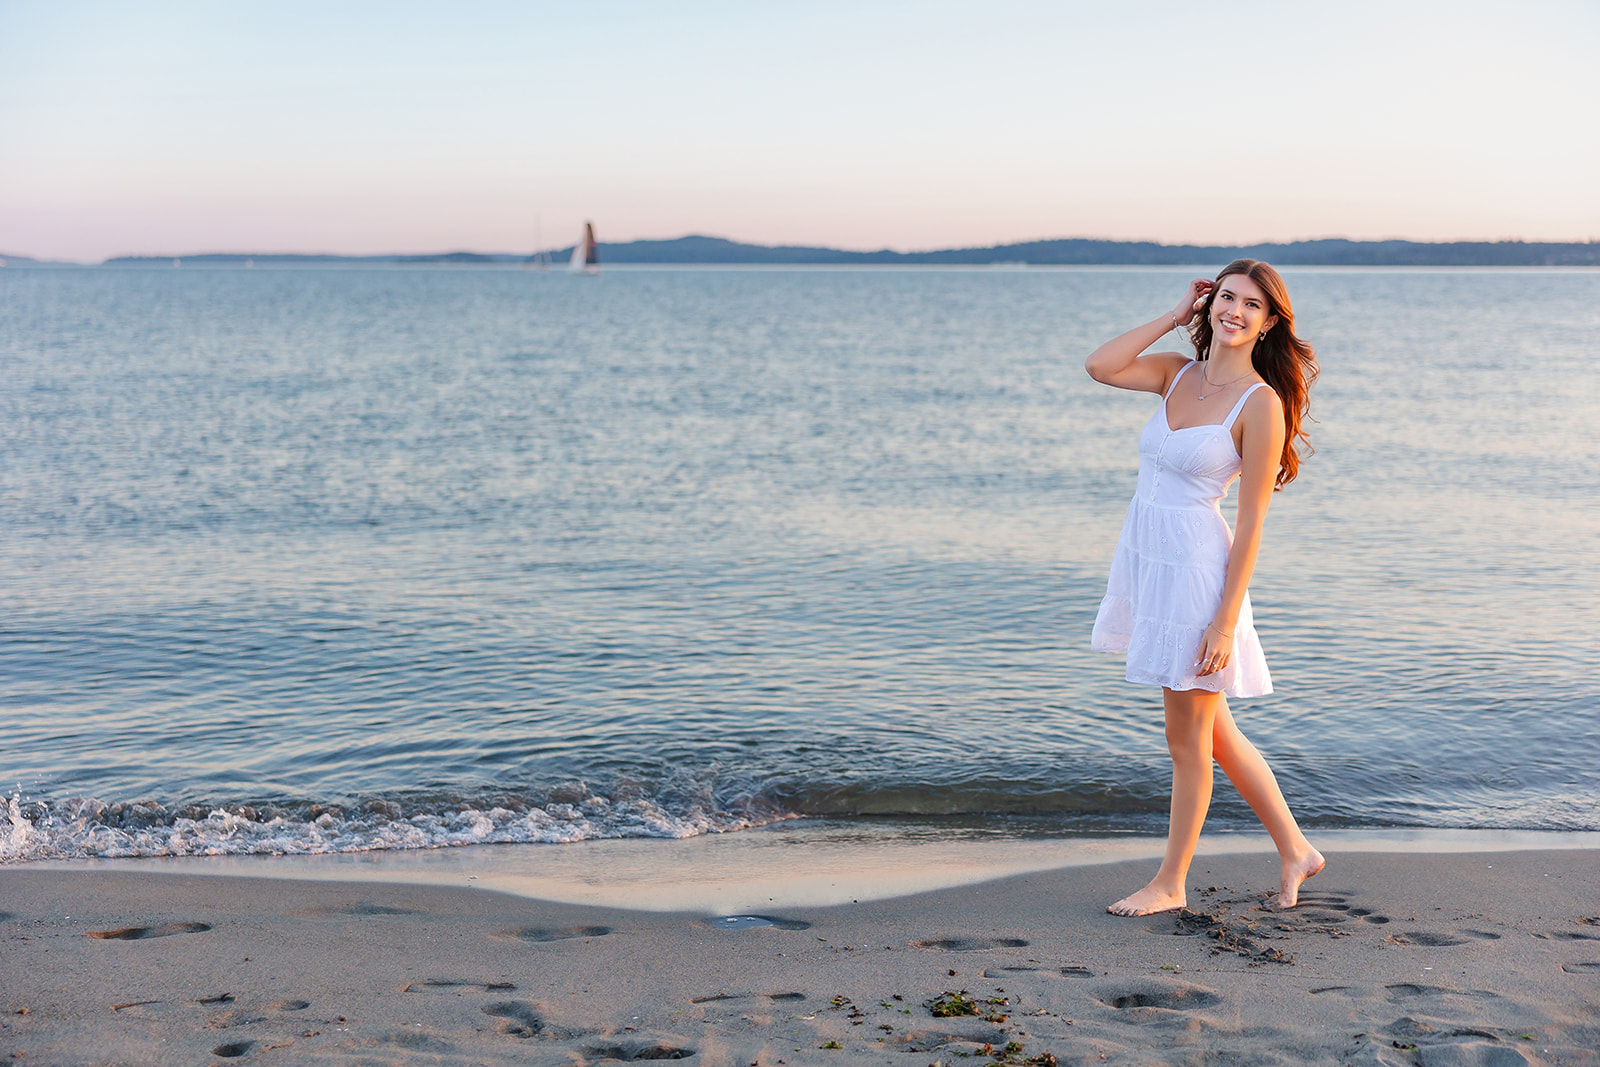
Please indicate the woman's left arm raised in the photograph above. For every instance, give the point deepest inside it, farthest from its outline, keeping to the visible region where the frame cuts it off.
(1261, 448)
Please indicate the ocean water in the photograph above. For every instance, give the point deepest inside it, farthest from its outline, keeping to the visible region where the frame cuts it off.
(307, 560)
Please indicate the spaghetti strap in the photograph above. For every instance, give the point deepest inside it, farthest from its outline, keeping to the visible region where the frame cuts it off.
(1227, 423)
(1175, 378)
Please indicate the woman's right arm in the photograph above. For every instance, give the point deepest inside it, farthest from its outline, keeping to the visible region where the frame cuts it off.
(1117, 361)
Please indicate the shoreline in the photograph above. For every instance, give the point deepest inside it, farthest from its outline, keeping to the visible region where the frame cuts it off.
(811, 863)
(1396, 957)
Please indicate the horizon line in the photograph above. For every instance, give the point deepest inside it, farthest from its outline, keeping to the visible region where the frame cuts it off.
(950, 250)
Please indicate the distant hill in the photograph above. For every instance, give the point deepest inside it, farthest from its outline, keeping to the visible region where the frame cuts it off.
(239, 259)
(1072, 251)
(1078, 251)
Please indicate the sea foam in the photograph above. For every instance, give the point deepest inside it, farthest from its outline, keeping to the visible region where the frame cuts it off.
(81, 827)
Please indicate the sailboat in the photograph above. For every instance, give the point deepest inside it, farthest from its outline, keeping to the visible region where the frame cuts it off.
(540, 260)
(585, 254)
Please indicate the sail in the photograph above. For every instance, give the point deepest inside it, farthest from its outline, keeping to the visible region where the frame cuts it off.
(586, 253)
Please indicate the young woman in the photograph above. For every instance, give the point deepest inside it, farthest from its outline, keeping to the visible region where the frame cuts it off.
(1178, 601)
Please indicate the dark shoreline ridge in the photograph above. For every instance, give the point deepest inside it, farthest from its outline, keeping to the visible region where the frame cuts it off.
(1077, 251)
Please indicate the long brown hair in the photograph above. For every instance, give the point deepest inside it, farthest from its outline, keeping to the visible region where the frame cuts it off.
(1284, 361)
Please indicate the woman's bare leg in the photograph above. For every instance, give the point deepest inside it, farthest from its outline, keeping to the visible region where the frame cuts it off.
(1249, 773)
(1190, 717)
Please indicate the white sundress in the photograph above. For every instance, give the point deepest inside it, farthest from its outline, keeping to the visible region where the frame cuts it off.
(1167, 574)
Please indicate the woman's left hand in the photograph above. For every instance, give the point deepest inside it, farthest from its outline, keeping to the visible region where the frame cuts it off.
(1216, 652)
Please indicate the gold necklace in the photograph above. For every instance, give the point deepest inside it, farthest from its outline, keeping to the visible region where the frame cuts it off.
(1215, 388)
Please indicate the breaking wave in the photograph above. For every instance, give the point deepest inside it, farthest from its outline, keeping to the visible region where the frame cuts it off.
(84, 827)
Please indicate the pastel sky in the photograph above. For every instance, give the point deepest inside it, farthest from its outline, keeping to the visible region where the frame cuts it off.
(177, 127)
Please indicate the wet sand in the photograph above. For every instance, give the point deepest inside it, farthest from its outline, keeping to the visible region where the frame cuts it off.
(1394, 958)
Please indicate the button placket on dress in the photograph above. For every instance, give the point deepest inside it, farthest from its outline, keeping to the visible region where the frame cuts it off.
(1155, 478)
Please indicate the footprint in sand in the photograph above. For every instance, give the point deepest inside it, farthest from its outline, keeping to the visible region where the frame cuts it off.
(719, 997)
(412, 1041)
(934, 1040)
(360, 907)
(1320, 903)
(1369, 916)
(1443, 940)
(1581, 968)
(1064, 972)
(139, 933)
(550, 933)
(1170, 997)
(1409, 1027)
(1568, 935)
(1408, 990)
(453, 983)
(517, 1019)
(233, 1049)
(754, 922)
(1315, 913)
(630, 1053)
(292, 1005)
(970, 944)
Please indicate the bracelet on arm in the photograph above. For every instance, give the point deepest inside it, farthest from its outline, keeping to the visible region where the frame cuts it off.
(1220, 630)
(1175, 327)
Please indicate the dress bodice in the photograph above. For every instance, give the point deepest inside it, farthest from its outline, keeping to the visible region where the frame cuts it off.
(1191, 467)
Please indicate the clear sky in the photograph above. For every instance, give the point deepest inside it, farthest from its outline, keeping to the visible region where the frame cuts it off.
(356, 127)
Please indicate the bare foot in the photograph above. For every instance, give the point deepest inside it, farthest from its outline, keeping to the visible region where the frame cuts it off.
(1295, 872)
(1148, 901)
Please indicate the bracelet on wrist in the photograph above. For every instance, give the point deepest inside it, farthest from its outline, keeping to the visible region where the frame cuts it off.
(1220, 630)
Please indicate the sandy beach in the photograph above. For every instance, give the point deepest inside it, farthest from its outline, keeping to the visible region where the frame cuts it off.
(1394, 958)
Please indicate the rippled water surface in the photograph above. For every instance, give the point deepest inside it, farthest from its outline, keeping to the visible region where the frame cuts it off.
(313, 559)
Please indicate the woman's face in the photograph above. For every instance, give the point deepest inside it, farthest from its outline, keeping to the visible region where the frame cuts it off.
(1239, 312)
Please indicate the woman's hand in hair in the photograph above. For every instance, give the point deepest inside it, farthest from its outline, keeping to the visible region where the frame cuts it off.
(1199, 289)
(1118, 362)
